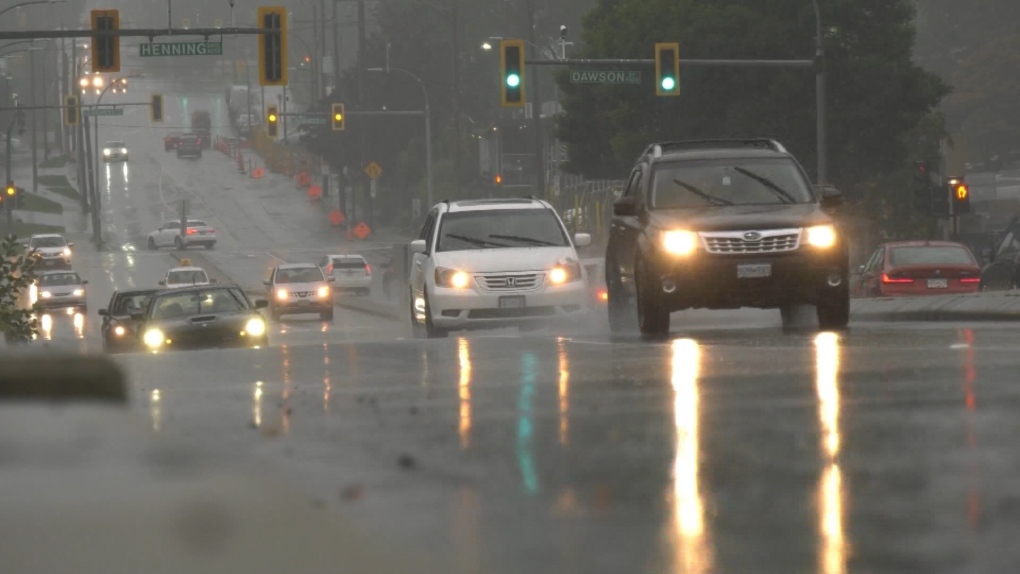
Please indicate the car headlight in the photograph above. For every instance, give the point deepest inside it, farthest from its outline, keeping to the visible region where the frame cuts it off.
(565, 273)
(46, 294)
(67, 252)
(119, 331)
(452, 278)
(679, 242)
(282, 294)
(123, 150)
(255, 327)
(154, 338)
(323, 291)
(79, 292)
(106, 152)
(823, 236)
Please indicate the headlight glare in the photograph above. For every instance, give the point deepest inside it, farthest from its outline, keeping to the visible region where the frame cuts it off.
(680, 242)
(823, 236)
(154, 338)
(46, 294)
(106, 152)
(565, 273)
(558, 275)
(282, 294)
(119, 331)
(323, 291)
(452, 278)
(255, 327)
(67, 252)
(79, 292)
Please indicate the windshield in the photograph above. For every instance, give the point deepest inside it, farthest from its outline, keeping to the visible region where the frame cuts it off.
(901, 256)
(129, 304)
(57, 279)
(115, 144)
(47, 242)
(197, 223)
(172, 306)
(187, 277)
(501, 228)
(763, 181)
(348, 263)
(299, 275)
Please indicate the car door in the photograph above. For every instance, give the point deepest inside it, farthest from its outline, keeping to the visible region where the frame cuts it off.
(871, 279)
(419, 262)
(167, 233)
(625, 229)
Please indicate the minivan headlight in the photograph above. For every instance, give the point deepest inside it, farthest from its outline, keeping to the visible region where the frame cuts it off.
(452, 278)
(823, 236)
(565, 273)
(679, 242)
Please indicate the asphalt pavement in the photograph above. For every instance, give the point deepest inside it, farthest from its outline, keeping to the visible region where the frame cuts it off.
(733, 446)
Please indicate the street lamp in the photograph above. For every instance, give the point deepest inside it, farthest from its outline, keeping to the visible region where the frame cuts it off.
(428, 131)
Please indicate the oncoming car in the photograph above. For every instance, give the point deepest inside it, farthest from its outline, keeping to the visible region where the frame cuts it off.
(492, 263)
(295, 288)
(115, 151)
(51, 250)
(118, 328)
(180, 277)
(59, 289)
(202, 317)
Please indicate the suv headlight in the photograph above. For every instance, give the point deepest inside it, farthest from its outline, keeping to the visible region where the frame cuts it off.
(282, 294)
(106, 152)
(823, 236)
(67, 252)
(154, 338)
(452, 278)
(323, 292)
(679, 242)
(565, 273)
(255, 327)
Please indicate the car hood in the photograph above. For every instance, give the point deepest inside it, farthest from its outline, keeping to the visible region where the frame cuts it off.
(50, 250)
(300, 287)
(230, 321)
(505, 260)
(736, 217)
(183, 285)
(60, 288)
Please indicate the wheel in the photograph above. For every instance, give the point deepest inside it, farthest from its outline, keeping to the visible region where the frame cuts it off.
(834, 314)
(431, 330)
(152, 244)
(327, 315)
(178, 244)
(653, 318)
(619, 307)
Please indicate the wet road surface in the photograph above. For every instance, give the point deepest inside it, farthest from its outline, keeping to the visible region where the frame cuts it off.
(731, 447)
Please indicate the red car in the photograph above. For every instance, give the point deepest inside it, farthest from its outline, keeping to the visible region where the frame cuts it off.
(918, 268)
(171, 141)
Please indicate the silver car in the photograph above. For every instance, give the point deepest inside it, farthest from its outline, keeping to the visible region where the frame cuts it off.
(59, 289)
(351, 273)
(295, 288)
(51, 250)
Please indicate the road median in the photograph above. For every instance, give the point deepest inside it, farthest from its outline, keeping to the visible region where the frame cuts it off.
(995, 306)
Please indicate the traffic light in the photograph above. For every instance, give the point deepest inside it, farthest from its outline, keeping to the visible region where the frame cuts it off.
(10, 193)
(156, 108)
(71, 110)
(273, 46)
(498, 180)
(959, 196)
(105, 49)
(667, 69)
(338, 117)
(511, 63)
(272, 120)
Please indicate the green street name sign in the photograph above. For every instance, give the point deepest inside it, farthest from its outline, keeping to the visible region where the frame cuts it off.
(180, 49)
(604, 77)
(103, 111)
(312, 120)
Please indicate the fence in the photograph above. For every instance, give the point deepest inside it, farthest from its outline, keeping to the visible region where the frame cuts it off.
(587, 205)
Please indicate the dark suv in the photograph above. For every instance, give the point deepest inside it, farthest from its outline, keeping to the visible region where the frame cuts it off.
(189, 146)
(721, 225)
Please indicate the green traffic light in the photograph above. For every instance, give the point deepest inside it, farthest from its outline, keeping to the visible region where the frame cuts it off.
(668, 83)
(513, 80)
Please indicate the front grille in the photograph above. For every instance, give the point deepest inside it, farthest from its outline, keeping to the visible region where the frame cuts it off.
(510, 281)
(751, 242)
(511, 313)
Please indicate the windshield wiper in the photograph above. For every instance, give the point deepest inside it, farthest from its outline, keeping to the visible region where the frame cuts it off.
(474, 240)
(706, 196)
(523, 239)
(768, 183)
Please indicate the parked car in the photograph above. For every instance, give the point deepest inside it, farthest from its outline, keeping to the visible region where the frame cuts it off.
(197, 232)
(918, 268)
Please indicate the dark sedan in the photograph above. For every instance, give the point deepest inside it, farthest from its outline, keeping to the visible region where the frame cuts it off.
(119, 329)
(206, 317)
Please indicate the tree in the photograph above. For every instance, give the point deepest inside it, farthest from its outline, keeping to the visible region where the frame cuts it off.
(876, 93)
(17, 273)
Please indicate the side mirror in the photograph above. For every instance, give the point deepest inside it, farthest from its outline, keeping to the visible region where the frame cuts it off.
(138, 316)
(84, 281)
(625, 206)
(70, 244)
(267, 283)
(582, 239)
(103, 313)
(331, 279)
(162, 282)
(418, 246)
(212, 281)
(860, 270)
(261, 303)
(829, 196)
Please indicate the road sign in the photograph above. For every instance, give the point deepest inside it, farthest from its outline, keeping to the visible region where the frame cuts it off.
(312, 120)
(373, 171)
(361, 230)
(604, 77)
(103, 112)
(180, 49)
(336, 217)
(314, 191)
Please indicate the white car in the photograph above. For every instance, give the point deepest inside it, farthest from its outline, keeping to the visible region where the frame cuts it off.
(297, 288)
(351, 272)
(115, 151)
(59, 289)
(197, 232)
(179, 277)
(52, 250)
(493, 263)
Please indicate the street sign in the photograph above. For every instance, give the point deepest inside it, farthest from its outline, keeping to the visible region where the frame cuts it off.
(103, 112)
(373, 171)
(604, 77)
(180, 49)
(312, 120)
(361, 230)
(314, 191)
(336, 217)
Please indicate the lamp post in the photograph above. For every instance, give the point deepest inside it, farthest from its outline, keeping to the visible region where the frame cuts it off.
(820, 111)
(96, 221)
(428, 132)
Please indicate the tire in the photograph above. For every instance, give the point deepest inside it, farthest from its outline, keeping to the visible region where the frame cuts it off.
(431, 331)
(653, 318)
(178, 244)
(327, 315)
(152, 245)
(620, 310)
(834, 314)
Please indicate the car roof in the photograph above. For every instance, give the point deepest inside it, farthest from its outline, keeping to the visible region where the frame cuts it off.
(346, 256)
(41, 235)
(923, 243)
(297, 266)
(199, 288)
(718, 153)
(172, 269)
(59, 272)
(133, 292)
(494, 204)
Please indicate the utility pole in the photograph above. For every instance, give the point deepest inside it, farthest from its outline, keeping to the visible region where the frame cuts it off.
(46, 100)
(322, 49)
(362, 133)
(536, 110)
(35, 128)
(455, 24)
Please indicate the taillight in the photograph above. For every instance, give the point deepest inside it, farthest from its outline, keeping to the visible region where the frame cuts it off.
(368, 269)
(191, 231)
(970, 279)
(211, 230)
(887, 279)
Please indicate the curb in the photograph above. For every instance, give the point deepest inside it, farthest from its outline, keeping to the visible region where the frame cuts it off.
(997, 306)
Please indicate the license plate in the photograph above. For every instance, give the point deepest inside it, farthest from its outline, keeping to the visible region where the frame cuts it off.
(754, 270)
(303, 303)
(938, 283)
(516, 302)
